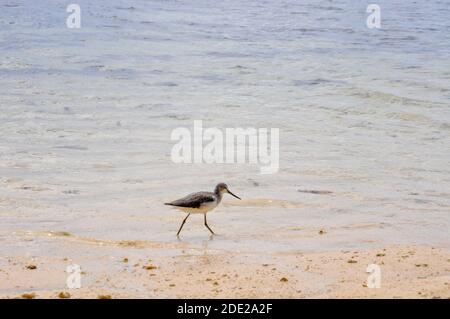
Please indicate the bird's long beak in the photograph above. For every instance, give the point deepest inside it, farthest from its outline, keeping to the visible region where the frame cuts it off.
(232, 194)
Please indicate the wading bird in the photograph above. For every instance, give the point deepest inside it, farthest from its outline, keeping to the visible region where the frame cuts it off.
(201, 203)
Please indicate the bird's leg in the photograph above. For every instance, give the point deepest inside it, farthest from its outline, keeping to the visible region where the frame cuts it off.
(182, 224)
(206, 224)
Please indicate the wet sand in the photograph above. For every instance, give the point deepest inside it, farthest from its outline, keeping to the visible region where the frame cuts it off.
(265, 248)
(136, 270)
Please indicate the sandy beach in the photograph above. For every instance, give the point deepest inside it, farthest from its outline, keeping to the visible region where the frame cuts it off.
(131, 269)
(251, 257)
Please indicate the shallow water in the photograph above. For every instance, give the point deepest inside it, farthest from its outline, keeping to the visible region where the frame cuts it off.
(364, 118)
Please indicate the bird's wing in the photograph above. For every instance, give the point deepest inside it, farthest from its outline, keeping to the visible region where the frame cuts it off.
(194, 200)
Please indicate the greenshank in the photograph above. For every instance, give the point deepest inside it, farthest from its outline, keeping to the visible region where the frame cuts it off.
(201, 203)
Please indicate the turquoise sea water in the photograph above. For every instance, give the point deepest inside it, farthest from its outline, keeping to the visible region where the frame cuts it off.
(364, 115)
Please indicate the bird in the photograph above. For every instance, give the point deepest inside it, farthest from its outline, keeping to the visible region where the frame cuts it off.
(201, 203)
